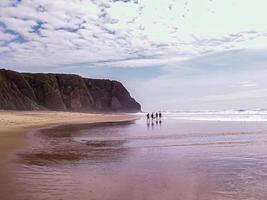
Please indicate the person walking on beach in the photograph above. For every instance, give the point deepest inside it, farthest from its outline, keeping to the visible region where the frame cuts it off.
(157, 115)
(147, 117)
(152, 116)
(160, 115)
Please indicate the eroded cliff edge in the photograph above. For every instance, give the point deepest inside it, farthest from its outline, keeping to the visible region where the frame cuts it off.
(63, 92)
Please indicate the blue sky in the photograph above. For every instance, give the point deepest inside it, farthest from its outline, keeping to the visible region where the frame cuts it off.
(170, 54)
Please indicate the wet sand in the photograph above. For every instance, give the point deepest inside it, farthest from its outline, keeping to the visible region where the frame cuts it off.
(13, 128)
(172, 160)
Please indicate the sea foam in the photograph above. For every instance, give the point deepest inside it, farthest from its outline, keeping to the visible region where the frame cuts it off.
(225, 115)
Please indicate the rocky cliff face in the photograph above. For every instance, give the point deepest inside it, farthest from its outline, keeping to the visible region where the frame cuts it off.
(63, 92)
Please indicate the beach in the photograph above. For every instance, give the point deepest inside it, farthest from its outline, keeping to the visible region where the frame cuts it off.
(14, 126)
(178, 157)
(133, 100)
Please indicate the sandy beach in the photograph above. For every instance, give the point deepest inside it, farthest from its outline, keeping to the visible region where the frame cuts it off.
(188, 159)
(15, 124)
(203, 160)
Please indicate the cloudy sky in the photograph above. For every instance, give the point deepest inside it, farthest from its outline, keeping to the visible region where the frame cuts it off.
(170, 54)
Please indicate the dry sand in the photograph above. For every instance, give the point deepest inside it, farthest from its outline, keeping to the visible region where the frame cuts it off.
(15, 124)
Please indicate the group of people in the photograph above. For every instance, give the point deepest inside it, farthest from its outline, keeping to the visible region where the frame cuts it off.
(150, 117)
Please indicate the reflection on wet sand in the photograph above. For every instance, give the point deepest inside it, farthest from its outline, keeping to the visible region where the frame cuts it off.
(56, 144)
(154, 124)
(185, 160)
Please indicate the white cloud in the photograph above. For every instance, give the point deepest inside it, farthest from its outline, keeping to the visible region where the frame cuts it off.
(71, 32)
(210, 51)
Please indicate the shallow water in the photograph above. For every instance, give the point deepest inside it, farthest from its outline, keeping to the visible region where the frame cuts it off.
(177, 159)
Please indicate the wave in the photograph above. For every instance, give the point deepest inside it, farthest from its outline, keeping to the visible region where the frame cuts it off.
(225, 115)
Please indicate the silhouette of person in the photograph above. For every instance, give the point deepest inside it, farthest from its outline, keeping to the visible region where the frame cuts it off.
(160, 115)
(152, 116)
(157, 115)
(147, 117)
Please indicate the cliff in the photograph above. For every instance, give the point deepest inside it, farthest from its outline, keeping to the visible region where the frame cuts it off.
(63, 92)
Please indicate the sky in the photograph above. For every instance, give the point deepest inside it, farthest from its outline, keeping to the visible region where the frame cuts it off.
(175, 55)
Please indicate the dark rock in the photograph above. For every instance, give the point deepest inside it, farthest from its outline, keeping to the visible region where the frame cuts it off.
(15, 93)
(66, 92)
(121, 98)
(75, 93)
(47, 91)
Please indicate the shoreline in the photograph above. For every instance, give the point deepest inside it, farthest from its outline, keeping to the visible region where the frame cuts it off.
(59, 146)
(101, 161)
(15, 125)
